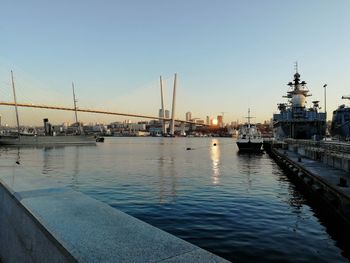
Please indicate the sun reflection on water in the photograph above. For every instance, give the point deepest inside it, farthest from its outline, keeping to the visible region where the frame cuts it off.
(215, 158)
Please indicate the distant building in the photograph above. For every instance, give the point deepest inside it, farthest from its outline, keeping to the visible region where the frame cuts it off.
(208, 120)
(167, 114)
(198, 121)
(188, 116)
(220, 119)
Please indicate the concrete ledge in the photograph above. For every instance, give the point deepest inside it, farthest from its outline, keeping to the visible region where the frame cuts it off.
(45, 222)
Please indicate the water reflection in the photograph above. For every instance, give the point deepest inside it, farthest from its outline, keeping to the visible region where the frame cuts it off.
(75, 182)
(49, 162)
(167, 174)
(215, 161)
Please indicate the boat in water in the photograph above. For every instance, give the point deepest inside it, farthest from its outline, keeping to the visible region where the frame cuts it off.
(249, 138)
(340, 127)
(38, 140)
(23, 138)
(295, 119)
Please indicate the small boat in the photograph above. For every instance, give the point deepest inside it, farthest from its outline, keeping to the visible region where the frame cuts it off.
(249, 138)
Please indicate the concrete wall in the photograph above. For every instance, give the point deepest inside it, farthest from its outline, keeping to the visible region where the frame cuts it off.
(22, 238)
(332, 158)
(42, 221)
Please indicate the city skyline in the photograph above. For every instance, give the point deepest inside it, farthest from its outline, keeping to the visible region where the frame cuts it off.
(229, 56)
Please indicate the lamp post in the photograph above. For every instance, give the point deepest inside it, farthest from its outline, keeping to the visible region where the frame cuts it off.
(325, 100)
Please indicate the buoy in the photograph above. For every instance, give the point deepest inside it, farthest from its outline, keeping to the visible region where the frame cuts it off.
(189, 148)
(214, 144)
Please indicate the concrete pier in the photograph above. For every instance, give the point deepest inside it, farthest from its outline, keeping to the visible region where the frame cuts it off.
(333, 153)
(43, 221)
(329, 184)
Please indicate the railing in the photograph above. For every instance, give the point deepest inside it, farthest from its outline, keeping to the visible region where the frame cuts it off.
(336, 146)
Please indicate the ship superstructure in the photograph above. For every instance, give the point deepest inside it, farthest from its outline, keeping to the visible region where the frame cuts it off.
(295, 119)
(340, 128)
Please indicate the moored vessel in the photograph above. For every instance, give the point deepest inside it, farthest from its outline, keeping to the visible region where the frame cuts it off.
(48, 139)
(249, 138)
(340, 128)
(295, 120)
(38, 140)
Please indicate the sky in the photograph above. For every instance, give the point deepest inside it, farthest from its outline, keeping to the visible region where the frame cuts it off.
(229, 55)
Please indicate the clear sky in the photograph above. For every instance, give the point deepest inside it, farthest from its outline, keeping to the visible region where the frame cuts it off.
(229, 55)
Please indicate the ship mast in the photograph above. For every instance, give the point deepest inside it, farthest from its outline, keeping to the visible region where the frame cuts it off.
(249, 117)
(15, 99)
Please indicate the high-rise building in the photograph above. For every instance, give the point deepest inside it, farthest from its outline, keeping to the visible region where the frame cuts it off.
(208, 120)
(188, 116)
(167, 114)
(220, 121)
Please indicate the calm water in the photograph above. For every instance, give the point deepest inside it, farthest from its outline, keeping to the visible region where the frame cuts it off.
(241, 207)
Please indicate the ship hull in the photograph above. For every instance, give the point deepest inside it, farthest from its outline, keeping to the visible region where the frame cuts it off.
(340, 128)
(46, 140)
(300, 129)
(249, 146)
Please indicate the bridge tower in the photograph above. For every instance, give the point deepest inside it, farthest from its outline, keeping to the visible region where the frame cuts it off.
(162, 105)
(172, 125)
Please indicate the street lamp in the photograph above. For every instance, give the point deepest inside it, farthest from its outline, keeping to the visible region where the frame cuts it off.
(325, 100)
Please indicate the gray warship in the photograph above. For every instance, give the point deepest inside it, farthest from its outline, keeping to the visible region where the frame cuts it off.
(295, 119)
(340, 128)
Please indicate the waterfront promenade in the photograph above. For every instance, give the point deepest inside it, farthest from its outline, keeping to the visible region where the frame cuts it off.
(44, 221)
(330, 185)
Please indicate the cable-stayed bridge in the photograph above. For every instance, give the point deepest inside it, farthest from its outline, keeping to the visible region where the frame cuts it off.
(29, 105)
(75, 109)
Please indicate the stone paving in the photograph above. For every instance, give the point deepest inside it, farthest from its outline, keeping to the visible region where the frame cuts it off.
(92, 231)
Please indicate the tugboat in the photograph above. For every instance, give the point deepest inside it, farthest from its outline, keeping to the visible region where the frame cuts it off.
(340, 128)
(295, 120)
(249, 138)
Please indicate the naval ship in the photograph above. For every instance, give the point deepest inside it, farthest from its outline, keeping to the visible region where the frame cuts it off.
(295, 119)
(340, 128)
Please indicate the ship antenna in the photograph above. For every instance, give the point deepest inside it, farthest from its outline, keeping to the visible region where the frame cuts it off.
(249, 117)
(296, 66)
(15, 99)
